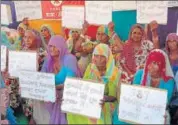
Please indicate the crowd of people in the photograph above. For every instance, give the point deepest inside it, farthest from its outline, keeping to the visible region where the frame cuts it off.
(107, 59)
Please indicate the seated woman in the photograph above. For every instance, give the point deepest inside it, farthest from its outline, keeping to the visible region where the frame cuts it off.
(157, 73)
(7, 116)
(60, 62)
(102, 69)
(172, 50)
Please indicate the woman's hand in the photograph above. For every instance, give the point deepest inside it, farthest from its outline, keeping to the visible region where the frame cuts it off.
(153, 25)
(85, 27)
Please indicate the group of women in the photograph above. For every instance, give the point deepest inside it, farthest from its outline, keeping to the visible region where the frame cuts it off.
(107, 59)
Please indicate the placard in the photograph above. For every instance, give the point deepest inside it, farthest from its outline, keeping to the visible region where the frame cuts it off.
(82, 97)
(148, 11)
(6, 16)
(98, 12)
(30, 9)
(19, 60)
(124, 5)
(37, 85)
(142, 105)
(72, 16)
(172, 3)
(3, 57)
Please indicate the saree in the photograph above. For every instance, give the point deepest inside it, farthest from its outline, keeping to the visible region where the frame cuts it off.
(110, 80)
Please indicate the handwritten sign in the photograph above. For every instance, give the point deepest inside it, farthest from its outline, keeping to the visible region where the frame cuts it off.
(6, 16)
(124, 5)
(172, 3)
(3, 57)
(148, 11)
(98, 12)
(36, 85)
(22, 61)
(31, 9)
(142, 105)
(72, 16)
(82, 97)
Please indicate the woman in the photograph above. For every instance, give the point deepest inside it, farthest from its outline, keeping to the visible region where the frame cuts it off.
(60, 62)
(134, 53)
(74, 36)
(21, 30)
(46, 34)
(157, 73)
(103, 70)
(7, 116)
(172, 50)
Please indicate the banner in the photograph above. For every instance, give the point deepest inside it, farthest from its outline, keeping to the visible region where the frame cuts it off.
(142, 105)
(3, 57)
(124, 5)
(6, 15)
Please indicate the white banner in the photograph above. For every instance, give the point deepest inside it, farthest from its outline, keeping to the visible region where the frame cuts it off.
(172, 3)
(82, 97)
(72, 16)
(31, 9)
(3, 57)
(37, 85)
(98, 12)
(148, 11)
(6, 15)
(142, 105)
(124, 5)
(19, 60)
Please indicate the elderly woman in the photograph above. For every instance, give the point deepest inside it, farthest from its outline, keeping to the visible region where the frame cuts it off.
(157, 73)
(172, 50)
(46, 34)
(102, 69)
(60, 62)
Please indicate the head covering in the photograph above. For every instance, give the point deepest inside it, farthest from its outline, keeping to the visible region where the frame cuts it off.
(65, 58)
(44, 42)
(103, 49)
(5, 41)
(103, 29)
(128, 50)
(161, 58)
(23, 26)
(171, 37)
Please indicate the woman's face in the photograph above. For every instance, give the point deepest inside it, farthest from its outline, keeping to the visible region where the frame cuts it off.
(153, 69)
(75, 35)
(21, 31)
(53, 51)
(100, 60)
(136, 35)
(172, 45)
(29, 39)
(99, 36)
(45, 32)
(104, 38)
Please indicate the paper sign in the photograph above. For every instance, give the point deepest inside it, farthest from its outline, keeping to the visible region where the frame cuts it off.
(82, 97)
(6, 16)
(3, 57)
(124, 5)
(72, 16)
(148, 11)
(98, 12)
(22, 61)
(141, 105)
(30, 9)
(172, 3)
(36, 85)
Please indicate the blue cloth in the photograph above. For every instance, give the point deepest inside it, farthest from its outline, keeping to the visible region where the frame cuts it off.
(175, 69)
(169, 86)
(63, 73)
(10, 116)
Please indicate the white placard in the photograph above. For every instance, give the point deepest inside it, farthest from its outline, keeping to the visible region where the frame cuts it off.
(30, 9)
(37, 85)
(3, 57)
(22, 61)
(124, 5)
(98, 12)
(82, 97)
(6, 16)
(148, 11)
(142, 105)
(172, 3)
(72, 16)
